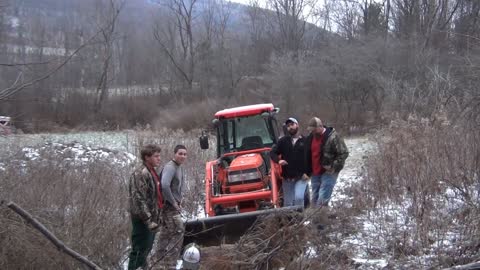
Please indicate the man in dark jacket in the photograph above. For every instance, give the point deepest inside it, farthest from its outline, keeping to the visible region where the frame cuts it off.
(145, 202)
(291, 149)
(325, 155)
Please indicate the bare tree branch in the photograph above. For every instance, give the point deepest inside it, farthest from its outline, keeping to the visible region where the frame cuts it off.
(7, 92)
(59, 244)
(108, 38)
(182, 11)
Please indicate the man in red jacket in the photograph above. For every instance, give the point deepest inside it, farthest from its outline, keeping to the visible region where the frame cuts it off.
(325, 155)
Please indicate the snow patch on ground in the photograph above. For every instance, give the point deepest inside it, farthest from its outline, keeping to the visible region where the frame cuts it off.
(30, 153)
(121, 141)
(78, 154)
(14, 21)
(359, 148)
(311, 252)
(373, 235)
(369, 262)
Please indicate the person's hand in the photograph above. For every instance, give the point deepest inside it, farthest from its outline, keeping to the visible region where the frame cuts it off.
(177, 219)
(283, 162)
(152, 226)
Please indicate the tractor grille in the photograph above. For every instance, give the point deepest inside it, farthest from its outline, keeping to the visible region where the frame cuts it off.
(244, 177)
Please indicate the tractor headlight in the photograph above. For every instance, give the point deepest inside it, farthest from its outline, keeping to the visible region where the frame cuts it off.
(240, 176)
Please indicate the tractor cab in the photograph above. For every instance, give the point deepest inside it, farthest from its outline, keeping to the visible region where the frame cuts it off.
(246, 132)
(244, 128)
(245, 136)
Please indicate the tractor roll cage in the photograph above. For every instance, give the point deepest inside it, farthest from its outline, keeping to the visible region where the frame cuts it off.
(246, 133)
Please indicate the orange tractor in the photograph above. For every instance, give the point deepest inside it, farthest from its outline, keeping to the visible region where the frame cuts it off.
(242, 183)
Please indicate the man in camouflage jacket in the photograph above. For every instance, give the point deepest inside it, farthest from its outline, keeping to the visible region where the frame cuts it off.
(325, 155)
(145, 202)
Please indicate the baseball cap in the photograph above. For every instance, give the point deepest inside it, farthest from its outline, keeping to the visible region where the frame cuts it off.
(314, 123)
(291, 119)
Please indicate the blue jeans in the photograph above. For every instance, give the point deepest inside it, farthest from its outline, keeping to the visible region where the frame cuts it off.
(293, 191)
(322, 188)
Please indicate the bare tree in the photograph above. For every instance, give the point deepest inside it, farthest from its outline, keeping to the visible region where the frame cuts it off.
(179, 30)
(373, 18)
(256, 20)
(108, 37)
(212, 49)
(467, 26)
(225, 56)
(346, 15)
(421, 21)
(259, 46)
(290, 22)
(323, 13)
(387, 10)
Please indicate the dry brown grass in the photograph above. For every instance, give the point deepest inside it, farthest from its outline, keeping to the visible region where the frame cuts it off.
(83, 205)
(424, 181)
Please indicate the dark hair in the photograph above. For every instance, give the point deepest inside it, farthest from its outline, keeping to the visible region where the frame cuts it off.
(148, 150)
(178, 147)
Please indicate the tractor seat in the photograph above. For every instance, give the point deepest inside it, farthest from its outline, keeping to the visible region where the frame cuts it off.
(251, 142)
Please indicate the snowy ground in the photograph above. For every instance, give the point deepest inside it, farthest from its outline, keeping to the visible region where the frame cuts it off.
(120, 141)
(358, 244)
(359, 148)
(76, 149)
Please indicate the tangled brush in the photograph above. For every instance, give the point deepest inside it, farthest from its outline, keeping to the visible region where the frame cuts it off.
(274, 241)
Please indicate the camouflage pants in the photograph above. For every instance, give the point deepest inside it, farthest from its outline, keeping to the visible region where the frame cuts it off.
(169, 240)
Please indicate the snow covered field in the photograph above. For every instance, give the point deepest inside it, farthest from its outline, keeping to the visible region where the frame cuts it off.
(120, 141)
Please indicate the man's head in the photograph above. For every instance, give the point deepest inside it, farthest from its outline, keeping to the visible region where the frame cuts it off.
(292, 126)
(315, 126)
(180, 152)
(150, 155)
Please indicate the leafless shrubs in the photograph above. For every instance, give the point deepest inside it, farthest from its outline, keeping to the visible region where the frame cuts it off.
(422, 190)
(84, 205)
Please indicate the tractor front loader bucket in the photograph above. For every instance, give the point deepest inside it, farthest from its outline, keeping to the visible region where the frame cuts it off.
(225, 229)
